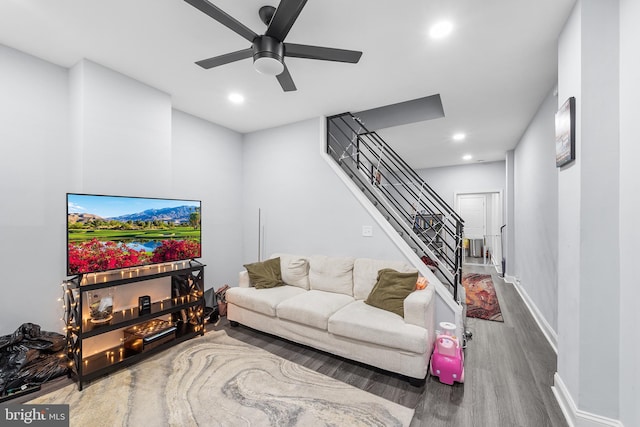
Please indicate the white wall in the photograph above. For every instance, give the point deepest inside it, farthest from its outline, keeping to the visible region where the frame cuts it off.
(509, 218)
(93, 130)
(305, 207)
(629, 208)
(472, 178)
(124, 131)
(536, 212)
(600, 205)
(34, 174)
(589, 206)
(207, 165)
(569, 84)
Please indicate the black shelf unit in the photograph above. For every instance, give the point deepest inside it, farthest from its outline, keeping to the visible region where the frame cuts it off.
(185, 306)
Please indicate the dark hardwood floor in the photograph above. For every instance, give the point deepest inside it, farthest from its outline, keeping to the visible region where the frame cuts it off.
(509, 371)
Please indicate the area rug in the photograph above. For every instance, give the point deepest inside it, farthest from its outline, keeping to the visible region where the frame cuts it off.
(482, 301)
(216, 380)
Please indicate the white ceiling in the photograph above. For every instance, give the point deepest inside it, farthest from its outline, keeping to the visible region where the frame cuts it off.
(492, 72)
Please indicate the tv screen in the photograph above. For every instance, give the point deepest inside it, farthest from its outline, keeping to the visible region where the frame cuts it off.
(112, 232)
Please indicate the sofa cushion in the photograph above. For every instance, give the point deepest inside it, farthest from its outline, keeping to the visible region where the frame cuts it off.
(262, 301)
(391, 289)
(265, 274)
(331, 274)
(363, 322)
(365, 274)
(312, 308)
(294, 270)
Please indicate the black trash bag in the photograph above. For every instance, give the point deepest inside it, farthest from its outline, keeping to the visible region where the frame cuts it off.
(30, 356)
(211, 314)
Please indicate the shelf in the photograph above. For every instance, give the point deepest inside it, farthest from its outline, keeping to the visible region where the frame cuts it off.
(112, 359)
(124, 318)
(134, 276)
(183, 316)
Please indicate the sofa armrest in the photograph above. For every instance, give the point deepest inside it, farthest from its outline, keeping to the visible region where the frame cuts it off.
(419, 309)
(243, 279)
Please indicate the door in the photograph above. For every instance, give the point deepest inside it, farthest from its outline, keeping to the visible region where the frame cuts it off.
(472, 209)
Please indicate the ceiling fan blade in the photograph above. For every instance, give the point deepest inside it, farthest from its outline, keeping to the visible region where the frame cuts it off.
(226, 58)
(284, 17)
(322, 53)
(222, 17)
(286, 81)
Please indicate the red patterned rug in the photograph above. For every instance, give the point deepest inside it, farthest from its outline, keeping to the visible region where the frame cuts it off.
(482, 301)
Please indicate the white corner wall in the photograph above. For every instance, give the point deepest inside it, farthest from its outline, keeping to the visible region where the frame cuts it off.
(589, 213)
(629, 207)
(536, 216)
(34, 143)
(123, 129)
(569, 84)
(207, 165)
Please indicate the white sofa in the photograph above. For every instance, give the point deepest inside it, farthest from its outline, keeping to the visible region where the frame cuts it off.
(322, 305)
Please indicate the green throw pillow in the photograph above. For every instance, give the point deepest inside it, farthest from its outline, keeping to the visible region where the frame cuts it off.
(265, 274)
(391, 289)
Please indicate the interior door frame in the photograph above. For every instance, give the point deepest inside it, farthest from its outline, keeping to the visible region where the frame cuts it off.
(456, 194)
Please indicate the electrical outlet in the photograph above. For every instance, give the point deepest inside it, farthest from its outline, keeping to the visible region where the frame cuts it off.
(367, 230)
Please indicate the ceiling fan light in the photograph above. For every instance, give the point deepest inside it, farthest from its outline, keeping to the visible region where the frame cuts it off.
(268, 65)
(441, 30)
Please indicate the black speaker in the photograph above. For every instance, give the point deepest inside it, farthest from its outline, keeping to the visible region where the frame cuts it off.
(144, 305)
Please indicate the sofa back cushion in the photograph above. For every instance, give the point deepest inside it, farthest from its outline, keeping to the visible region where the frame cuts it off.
(331, 274)
(294, 270)
(365, 274)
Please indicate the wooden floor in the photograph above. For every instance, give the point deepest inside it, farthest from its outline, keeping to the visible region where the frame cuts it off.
(509, 371)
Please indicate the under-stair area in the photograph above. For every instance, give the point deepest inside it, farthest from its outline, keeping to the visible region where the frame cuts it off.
(420, 216)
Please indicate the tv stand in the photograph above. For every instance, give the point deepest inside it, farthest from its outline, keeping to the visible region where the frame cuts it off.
(128, 336)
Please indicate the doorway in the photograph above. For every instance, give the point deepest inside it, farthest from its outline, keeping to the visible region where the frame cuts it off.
(482, 215)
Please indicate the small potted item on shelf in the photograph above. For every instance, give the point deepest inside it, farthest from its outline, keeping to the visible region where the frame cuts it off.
(101, 305)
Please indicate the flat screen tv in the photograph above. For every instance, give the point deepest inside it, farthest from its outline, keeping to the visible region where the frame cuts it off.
(113, 232)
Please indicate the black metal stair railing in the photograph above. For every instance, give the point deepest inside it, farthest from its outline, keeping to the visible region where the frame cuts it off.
(421, 217)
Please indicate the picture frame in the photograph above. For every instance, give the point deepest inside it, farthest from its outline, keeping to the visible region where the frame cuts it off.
(566, 133)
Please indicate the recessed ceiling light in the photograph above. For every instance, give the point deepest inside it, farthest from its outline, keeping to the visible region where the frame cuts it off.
(467, 157)
(441, 29)
(459, 136)
(236, 98)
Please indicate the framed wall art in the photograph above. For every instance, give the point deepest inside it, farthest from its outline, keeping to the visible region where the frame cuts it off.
(566, 133)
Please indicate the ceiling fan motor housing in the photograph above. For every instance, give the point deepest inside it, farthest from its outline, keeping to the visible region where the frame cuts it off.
(268, 54)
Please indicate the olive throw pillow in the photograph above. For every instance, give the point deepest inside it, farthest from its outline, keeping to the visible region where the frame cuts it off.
(391, 289)
(266, 274)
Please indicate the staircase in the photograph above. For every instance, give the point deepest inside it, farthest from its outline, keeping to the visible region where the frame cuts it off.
(420, 216)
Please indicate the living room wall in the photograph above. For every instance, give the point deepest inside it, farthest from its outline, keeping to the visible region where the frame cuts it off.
(34, 174)
(93, 130)
(305, 207)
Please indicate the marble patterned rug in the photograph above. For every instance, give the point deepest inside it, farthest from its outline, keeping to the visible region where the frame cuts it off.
(216, 380)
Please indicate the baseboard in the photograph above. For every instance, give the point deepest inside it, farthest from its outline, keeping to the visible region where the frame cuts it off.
(545, 327)
(510, 279)
(576, 417)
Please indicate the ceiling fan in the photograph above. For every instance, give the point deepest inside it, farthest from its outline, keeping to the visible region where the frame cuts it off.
(269, 50)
